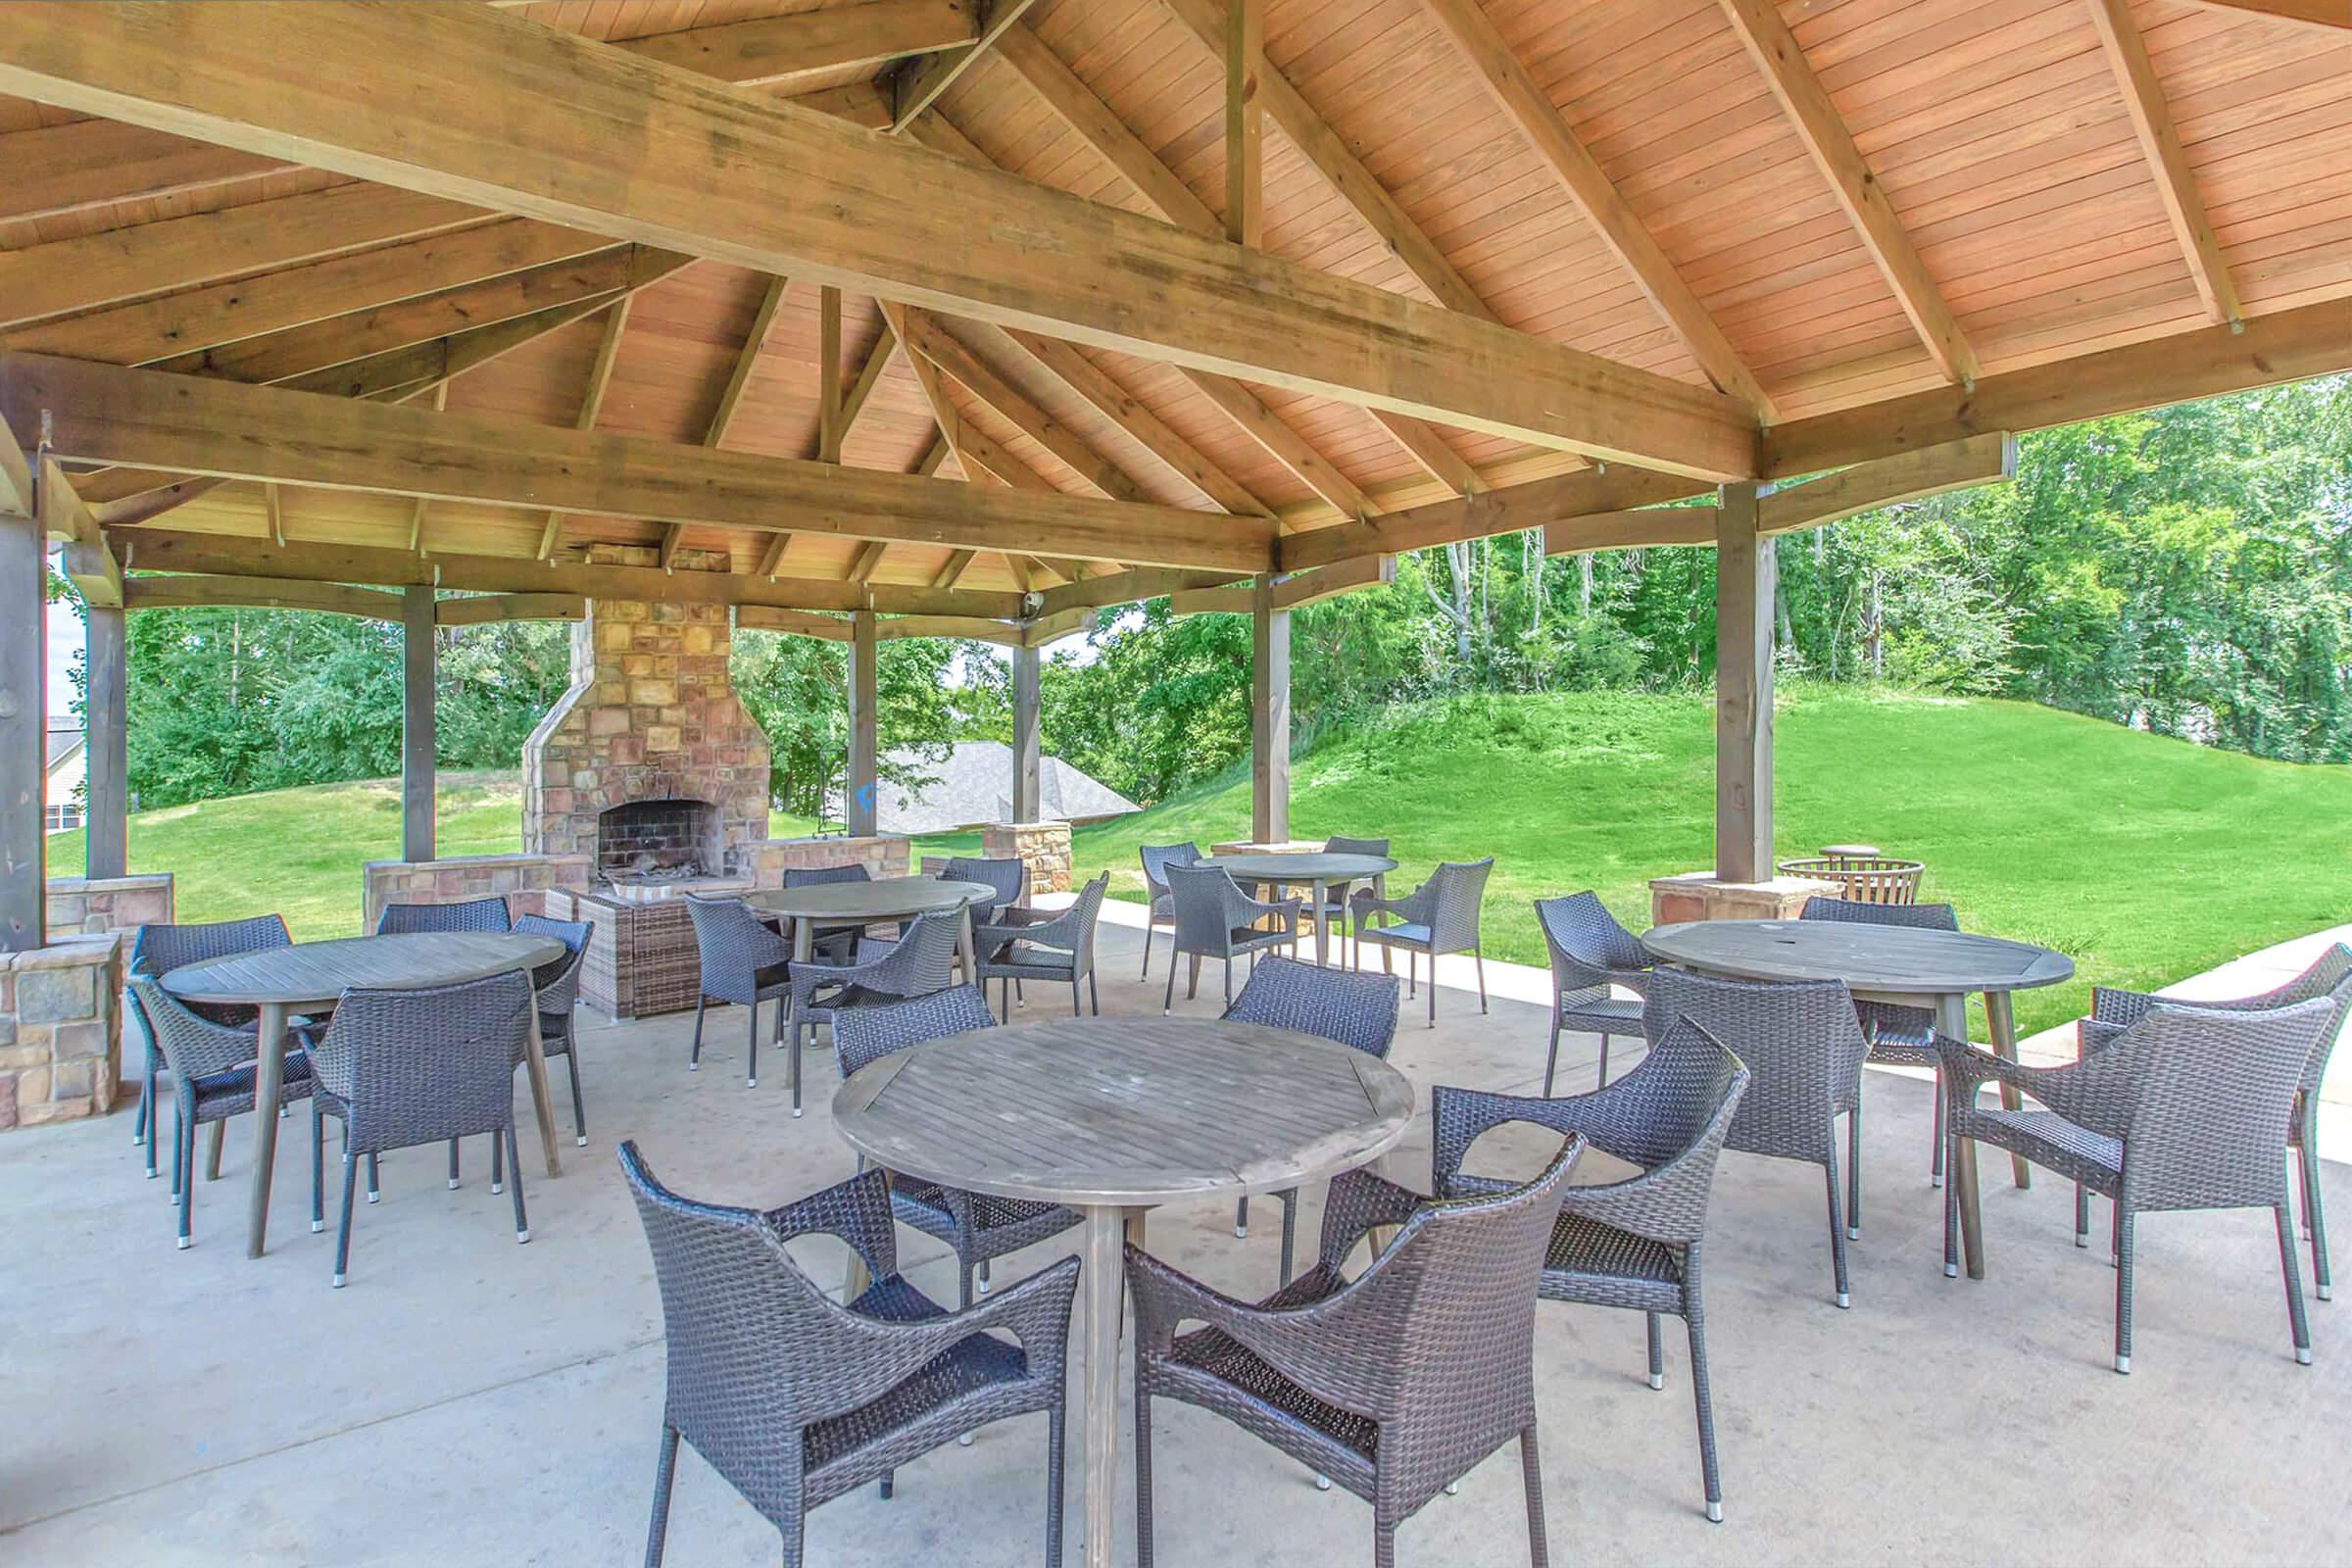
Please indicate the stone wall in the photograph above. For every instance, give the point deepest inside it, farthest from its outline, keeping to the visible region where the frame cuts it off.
(1701, 895)
(520, 879)
(882, 855)
(1044, 846)
(79, 906)
(61, 1053)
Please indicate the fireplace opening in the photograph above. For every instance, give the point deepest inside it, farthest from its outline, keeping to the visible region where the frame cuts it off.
(660, 841)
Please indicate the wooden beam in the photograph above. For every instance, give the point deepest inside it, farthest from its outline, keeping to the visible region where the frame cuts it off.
(148, 591)
(777, 51)
(1505, 511)
(221, 555)
(951, 572)
(861, 385)
(1130, 414)
(1817, 124)
(930, 337)
(16, 475)
(860, 781)
(592, 405)
(1244, 55)
(1269, 715)
(1096, 124)
(1988, 459)
(828, 371)
(978, 457)
(82, 273)
(739, 375)
(1040, 630)
(1744, 579)
(106, 752)
(2283, 346)
(89, 563)
(2330, 14)
(1028, 769)
(1125, 588)
(2168, 160)
(1632, 528)
(418, 773)
(1283, 444)
(968, 627)
(276, 511)
(917, 84)
(1422, 442)
(24, 718)
(55, 170)
(863, 564)
(1291, 591)
(474, 104)
(103, 414)
(1538, 120)
(486, 610)
(793, 622)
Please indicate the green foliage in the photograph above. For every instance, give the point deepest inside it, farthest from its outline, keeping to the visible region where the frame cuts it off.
(796, 691)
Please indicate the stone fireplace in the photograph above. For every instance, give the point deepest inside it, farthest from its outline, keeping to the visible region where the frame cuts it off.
(649, 764)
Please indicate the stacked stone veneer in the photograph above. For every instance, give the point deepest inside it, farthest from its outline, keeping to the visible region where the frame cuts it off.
(86, 905)
(520, 879)
(651, 715)
(1044, 847)
(61, 1053)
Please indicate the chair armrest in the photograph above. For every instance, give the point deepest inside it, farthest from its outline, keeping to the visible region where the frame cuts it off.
(1059, 932)
(2111, 1005)
(871, 1356)
(1414, 909)
(2094, 1092)
(1320, 1345)
(857, 1211)
(1608, 1118)
(1036, 1312)
(1357, 1202)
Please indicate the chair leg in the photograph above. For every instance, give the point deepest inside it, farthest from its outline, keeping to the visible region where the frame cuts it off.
(318, 1167)
(350, 1172)
(665, 1472)
(1853, 1170)
(1936, 1155)
(139, 1129)
(1657, 1351)
(1829, 1170)
(2291, 1265)
(1240, 1217)
(453, 1164)
(579, 1106)
(1167, 1003)
(1229, 984)
(694, 1058)
(1094, 994)
(751, 1071)
(2315, 1213)
(980, 1277)
(2081, 1215)
(522, 1220)
(2122, 1287)
(1384, 1544)
(1531, 1473)
(1290, 1232)
(1952, 1209)
(1148, 929)
(1432, 990)
(1479, 960)
(1192, 985)
(212, 1152)
(498, 1165)
(1077, 1002)
(964, 1285)
(1702, 1396)
(1054, 1467)
(183, 1164)
(1551, 1059)
(792, 1069)
(375, 1191)
(1142, 1464)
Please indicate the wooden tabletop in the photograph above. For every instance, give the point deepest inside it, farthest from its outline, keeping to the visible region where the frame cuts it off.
(1888, 958)
(1293, 869)
(312, 972)
(1124, 1111)
(888, 898)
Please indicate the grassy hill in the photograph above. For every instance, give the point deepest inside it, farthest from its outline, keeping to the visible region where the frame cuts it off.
(2142, 858)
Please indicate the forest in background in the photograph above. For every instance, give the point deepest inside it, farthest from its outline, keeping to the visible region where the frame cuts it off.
(2187, 571)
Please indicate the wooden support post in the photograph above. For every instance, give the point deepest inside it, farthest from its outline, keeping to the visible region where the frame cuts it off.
(417, 725)
(1269, 715)
(859, 786)
(1245, 123)
(23, 720)
(1028, 780)
(1743, 594)
(106, 843)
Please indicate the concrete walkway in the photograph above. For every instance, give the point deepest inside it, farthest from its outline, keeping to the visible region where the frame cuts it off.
(468, 1401)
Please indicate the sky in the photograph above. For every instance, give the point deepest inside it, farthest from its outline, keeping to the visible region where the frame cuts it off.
(65, 642)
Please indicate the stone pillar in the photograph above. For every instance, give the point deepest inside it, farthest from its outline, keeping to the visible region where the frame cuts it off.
(859, 786)
(416, 724)
(1028, 776)
(1269, 715)
(24, 724)
(1043, 846)
(60, 1041)
(1744, 595)
(107, 839)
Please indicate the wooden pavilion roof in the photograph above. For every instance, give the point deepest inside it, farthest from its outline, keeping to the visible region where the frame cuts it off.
(1852, 227)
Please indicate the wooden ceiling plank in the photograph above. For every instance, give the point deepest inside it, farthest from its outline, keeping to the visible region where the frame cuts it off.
(2168, 161)
(1283, 444)
(777, 51)
(473, 103)
(1817, 124)
(916, 84)
(1097, 126)
(2330, 14)
(739, 374)
(106, 414)
(55, 170)
(1538, 120)
(961, 364)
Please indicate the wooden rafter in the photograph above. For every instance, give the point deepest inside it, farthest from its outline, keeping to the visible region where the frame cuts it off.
(2331, 13)
(1283, 444)
(197, 590)
(1244, 58)
(2168, 160)
(862, 564)
(1507, 509)
(965, 367)
(861, 385)
(951, 570)
(55, 170)
(1100, 127)
(1817, 124)
(916, 86)
(747, 358)
(484, 610)
(1540, 124)
(104, 413)
(781, 188)
(592, 408)
(1130, 414)
(775, 51)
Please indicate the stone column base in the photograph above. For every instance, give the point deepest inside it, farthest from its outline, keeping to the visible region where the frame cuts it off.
(1044, 847)
(1701, 895)
(61, 1039)
(112, 903)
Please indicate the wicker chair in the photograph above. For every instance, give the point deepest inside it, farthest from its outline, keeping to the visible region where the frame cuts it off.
(1439, 916)
(410, 1066)
(2113, 1010)
(1395, 1383)
(472, 914)
(158, 950)
(1902, 1036)
(1215, 920)
(1060, 950)
(1353, 1009)
(2184, 1110)
(213, 1070)
(1334, 913)
(977, 1226)
(1632, 1244)
(1802, 1044)
(1590, 953)
(921, 961)
(744, 963)
(795, 1399)
(1008, 877)
(557, 983)
(1160, 907)
(840, 945)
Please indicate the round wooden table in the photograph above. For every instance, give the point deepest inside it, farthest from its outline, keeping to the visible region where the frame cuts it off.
(313, 974)
(863, 903)
(1899, 964)
(1320, 871)
(1113, 1117)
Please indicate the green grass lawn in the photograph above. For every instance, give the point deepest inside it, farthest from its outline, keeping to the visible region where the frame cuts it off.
(2143, 859)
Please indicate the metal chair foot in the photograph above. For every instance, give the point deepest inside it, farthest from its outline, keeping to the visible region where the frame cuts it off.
(1934, 1181)
(2123, 1365)
(1715, 1513)
(377, 1198)
(1453, 1489)
(964, 1442)
(522, 1236)
(1951, 1271)
(751, 1083)
(581, 1140)
(981, 1287)
(796, 1113)
(183, 1241)
(151, 1175)
(694, 1067)
(1853, 1233)
(337, 1282)
(1844, 1300)
(2081, 1238)
(497, 1187)
(453, 1184)
(1322, 1482)
(1240, 1232)
(316, 1226)
(2326, 1292)
(1657, 1380)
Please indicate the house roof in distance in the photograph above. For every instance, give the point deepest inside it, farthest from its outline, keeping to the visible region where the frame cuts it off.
(974, 787)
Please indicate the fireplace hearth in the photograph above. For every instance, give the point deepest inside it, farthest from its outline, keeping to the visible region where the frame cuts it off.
(664, 840)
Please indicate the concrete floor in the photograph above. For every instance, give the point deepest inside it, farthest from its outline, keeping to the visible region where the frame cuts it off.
(467, 1401)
